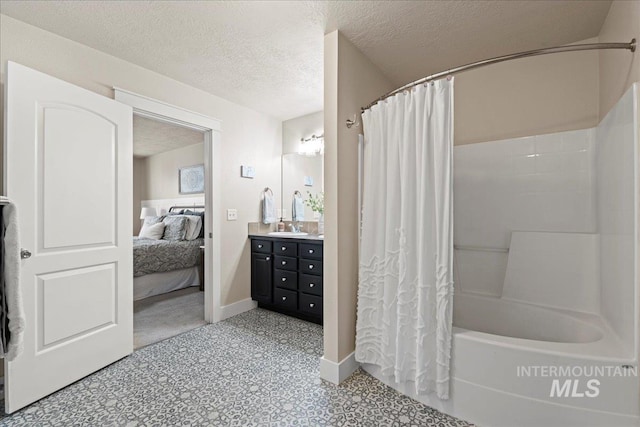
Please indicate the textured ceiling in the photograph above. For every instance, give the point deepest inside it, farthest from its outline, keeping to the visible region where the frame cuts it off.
(269, 55)
(152, 137)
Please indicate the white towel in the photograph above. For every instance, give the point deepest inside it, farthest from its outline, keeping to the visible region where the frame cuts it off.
(268, 207)
(297, 208)
(12, 282)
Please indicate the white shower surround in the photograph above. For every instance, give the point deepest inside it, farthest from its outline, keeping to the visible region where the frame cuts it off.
(493, 335)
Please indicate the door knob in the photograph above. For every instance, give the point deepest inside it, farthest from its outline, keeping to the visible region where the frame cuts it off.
(24, 254)
(284, 248)
(284, 279)
(311, 285)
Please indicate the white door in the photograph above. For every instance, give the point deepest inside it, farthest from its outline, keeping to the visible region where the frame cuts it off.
(68, 168)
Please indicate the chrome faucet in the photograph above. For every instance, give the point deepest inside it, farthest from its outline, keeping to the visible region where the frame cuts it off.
(295, 229)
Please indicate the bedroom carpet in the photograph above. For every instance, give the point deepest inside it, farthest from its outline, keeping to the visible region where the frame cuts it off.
(164, 316)
(256, 369)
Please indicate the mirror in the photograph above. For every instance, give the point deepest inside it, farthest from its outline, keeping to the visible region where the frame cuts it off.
(304, 174)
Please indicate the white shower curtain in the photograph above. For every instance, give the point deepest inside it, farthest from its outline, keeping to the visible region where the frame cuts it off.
(405, 291)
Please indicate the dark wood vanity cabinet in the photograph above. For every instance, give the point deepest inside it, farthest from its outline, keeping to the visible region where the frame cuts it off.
(261, 267)
(286, 276)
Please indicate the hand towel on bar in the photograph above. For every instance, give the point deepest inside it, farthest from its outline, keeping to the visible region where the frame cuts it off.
(13, 291)
(297, 208)
(268, 207)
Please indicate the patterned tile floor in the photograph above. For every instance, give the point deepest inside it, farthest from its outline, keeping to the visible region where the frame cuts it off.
(255, 369)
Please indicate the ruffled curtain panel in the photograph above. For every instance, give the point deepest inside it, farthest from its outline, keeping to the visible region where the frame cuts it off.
(405, 292)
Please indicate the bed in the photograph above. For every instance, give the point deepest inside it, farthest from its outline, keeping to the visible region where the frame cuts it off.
(161, 266)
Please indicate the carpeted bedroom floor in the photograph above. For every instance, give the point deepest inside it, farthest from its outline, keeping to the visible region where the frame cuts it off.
(256, 369)
(164, 316)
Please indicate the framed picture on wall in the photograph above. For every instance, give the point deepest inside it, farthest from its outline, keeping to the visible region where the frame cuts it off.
(191, 179)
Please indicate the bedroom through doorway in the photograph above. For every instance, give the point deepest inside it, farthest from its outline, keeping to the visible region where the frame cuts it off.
(168, 229)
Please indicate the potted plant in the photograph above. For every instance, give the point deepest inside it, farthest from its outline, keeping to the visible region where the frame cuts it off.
(316, 203)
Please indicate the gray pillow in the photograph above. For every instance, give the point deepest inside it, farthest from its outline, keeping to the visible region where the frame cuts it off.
(150, 220)
(201, 214)
(175, 227)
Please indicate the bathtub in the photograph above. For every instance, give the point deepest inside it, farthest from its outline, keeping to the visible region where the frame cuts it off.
(502, 353)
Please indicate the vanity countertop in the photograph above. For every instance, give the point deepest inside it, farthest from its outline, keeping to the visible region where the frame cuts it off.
(266, 235)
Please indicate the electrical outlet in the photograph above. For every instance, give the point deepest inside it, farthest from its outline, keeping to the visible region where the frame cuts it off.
(232, 214)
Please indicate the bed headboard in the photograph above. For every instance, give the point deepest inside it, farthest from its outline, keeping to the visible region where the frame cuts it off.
(162, 206)
(192, 207)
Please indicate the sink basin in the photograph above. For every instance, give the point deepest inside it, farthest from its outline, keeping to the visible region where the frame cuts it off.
(287, 234)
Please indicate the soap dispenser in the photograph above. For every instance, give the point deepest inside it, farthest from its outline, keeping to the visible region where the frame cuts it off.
(281, 225)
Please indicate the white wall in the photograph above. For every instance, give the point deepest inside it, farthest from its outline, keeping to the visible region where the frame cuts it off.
(156, 176)
(617, 160)
(350, 81)
(531, 96)
(162, 171)
(248, 137)
(301, 127)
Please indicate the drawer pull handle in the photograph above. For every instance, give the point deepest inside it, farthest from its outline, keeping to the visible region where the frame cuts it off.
(284, 248)
(310, 266)
(259, 246)
(267, 258)
(310, 251)
(284, 262)
(284, 279)
(312, 305)
(284, 298)
(311, 285)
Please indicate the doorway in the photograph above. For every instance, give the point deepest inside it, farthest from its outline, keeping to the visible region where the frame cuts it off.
(160, 112)
(168, 233)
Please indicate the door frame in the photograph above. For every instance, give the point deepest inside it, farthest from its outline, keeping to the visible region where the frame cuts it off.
(212, 128)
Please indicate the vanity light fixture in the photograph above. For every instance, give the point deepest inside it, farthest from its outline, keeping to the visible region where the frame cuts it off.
(312, 146)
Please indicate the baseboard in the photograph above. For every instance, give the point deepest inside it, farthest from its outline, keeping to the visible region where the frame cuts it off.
(338, 372)
(236, 308)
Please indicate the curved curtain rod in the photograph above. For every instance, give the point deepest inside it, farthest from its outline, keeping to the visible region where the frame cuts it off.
(558, 49)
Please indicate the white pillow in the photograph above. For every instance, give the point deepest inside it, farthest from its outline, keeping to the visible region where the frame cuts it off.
(194, 225)
(153, 231)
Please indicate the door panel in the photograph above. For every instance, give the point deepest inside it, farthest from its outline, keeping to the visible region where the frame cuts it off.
(68, 165)
(78, 159)
(74, 302)
(261, 283)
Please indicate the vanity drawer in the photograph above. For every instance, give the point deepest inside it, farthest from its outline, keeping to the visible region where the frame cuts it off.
(285, 299)
(261, 246)
(307, 250)
(285, 248)
(285, 279)
(311, 304)
(310, 284)
(310, 266)
(286, 263)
